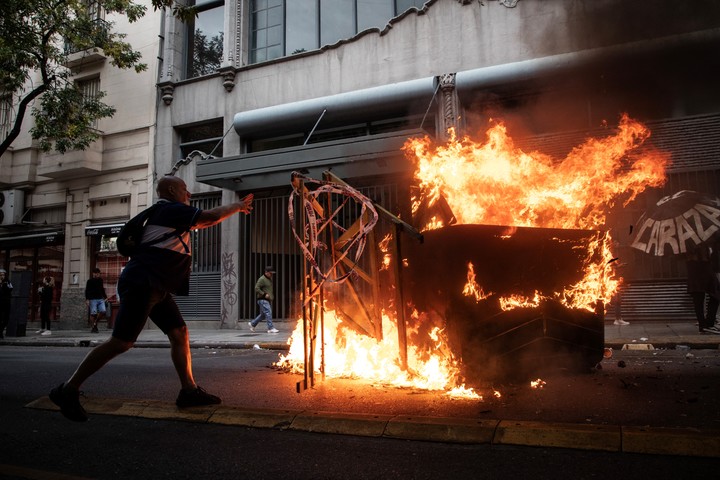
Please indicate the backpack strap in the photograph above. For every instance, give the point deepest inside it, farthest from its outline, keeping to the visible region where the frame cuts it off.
(165, 236)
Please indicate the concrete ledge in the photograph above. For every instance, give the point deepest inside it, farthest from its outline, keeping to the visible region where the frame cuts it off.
(258, 418)
(442, 429)
(563, 435)
(671, 441)
(343, 423)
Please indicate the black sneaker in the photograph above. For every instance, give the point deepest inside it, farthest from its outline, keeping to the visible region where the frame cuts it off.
(196, 398)
(69, 402)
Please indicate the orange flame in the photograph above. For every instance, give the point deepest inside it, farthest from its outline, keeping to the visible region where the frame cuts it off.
(349, 354)
(472, 289)
(496, 183)
(518, 301)
(384, 248)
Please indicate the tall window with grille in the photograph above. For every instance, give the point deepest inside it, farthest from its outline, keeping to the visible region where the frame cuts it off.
(89, 89)
(94, 28)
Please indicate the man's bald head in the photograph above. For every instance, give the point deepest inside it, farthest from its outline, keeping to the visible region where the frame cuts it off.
(173, 189)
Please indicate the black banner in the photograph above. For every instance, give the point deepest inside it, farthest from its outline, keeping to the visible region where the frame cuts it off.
(33, 240)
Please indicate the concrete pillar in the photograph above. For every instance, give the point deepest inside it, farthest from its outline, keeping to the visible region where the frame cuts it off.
(448, 113)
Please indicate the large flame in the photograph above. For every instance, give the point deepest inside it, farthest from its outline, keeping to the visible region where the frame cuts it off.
(349, 354)
(496, 183)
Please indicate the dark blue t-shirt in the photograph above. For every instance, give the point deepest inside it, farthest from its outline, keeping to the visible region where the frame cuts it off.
(166, 264)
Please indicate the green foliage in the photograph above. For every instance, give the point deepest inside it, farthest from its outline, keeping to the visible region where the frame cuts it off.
(65, 120)
(36, 37)
(182, 12)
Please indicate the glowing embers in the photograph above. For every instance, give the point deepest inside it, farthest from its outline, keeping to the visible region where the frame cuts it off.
(537, 384)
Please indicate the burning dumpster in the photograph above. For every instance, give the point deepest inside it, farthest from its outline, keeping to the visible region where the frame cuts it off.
(475, 299)
(514, 299)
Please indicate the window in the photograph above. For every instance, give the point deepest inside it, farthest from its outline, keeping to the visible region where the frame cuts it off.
(5, 116)
(93, 31)
(266, 34)
(339, 132)
(46, 216)
(89, 89)
(205, 38)
(287, 27)
(205, 137)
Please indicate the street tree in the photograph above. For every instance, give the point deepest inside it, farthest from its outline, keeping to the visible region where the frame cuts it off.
(36, 38)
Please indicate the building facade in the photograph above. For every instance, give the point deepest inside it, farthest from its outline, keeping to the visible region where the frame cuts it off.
(311, 85)
(61, 212)
(252, 90)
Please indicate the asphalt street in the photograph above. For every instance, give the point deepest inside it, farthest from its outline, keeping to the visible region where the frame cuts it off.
(658, 393)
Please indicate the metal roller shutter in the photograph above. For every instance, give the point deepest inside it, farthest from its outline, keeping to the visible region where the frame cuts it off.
(203, 303)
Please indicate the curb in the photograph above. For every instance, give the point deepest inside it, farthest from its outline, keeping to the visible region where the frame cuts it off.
(645, 440)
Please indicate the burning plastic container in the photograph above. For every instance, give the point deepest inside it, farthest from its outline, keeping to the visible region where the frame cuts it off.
(516, 300)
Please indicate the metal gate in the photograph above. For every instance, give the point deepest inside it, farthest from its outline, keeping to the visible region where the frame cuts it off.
(203, 302)
(269, 241)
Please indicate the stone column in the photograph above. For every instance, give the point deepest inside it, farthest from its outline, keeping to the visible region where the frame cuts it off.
(449, 110)
(230, 265)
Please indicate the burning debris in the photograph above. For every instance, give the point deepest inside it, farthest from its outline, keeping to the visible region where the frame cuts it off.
(513, 266)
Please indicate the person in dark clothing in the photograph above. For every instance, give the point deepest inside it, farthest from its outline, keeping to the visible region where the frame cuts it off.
(46, 298)
(146, 287)
(5, 295)
(95, 298)
(703, 286)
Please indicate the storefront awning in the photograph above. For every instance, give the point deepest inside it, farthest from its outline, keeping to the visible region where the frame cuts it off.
(55, 237)
(110, 230)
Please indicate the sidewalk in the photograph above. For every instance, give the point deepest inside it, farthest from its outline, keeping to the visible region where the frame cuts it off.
(152, 337)
(659, 334)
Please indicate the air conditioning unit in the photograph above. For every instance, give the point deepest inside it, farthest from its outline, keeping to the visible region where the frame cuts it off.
(12, 206)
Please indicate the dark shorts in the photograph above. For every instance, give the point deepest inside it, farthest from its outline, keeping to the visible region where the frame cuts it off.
(137, 303)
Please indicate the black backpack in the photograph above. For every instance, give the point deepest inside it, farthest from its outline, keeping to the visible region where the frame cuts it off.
(130, 236)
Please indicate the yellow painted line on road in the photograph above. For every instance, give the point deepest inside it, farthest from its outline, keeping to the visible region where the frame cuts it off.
(647, 440)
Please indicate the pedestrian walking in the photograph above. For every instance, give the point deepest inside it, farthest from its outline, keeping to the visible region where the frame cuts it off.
(5, 298)
(158, 270)
(264, 295)
(46, 291)
(95, 298)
